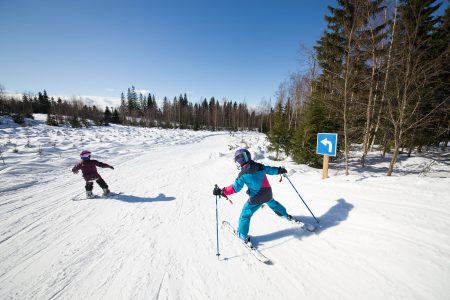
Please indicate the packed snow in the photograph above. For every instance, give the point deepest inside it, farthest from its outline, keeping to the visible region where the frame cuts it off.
(380, 237)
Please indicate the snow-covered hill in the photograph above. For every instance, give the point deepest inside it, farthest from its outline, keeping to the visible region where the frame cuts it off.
(381, 237)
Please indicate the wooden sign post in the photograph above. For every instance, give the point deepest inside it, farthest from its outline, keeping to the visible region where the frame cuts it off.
(326, 159)
(326, 145)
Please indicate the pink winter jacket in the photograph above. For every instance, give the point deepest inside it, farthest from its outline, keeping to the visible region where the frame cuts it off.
(89, 169)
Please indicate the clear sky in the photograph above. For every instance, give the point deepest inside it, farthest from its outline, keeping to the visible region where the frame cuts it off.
(233, 49)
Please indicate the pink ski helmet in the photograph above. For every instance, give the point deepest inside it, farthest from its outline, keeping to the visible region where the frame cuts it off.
(85, 155)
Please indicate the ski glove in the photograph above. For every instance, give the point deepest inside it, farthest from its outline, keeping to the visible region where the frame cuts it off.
(218, 192)
(75, 172)
(282, 170)
(112, 168)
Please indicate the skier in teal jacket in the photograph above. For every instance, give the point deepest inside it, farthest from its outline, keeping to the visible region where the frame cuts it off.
(253, 174)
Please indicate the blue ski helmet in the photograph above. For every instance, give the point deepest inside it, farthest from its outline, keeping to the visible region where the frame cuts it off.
(242, 156)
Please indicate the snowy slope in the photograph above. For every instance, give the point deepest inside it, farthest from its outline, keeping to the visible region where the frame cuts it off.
(381, 237)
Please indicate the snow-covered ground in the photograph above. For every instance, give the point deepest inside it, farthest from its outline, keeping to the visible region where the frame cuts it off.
(381, 237)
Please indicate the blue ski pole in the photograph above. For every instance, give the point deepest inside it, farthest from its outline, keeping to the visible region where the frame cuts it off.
(217, 227)
(301, 198)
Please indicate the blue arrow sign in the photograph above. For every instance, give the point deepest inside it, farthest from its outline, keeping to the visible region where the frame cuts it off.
(326, 144)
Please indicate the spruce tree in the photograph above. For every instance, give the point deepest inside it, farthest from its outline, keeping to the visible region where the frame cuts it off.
(115, 119)
(123, 109)
(348, 54)
(45, 102)
(132, 99)
(279, 135)
(51, 120)
(436, 129)
(107, 116)
(75, 122)
(315, 119)
(411, 101)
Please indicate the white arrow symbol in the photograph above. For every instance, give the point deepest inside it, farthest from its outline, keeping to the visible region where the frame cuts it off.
(327, 142)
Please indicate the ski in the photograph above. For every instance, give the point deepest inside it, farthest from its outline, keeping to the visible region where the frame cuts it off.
(253, 250)
(81, 197)
(304, 226)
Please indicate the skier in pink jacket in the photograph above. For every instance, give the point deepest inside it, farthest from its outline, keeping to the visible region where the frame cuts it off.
(89, 169)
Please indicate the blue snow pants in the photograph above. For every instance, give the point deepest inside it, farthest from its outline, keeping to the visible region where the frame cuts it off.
(249, 209)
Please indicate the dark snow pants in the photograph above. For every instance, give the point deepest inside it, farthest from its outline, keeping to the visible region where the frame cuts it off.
(90, 184)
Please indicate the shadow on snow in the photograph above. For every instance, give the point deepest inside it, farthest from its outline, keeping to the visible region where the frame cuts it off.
(135, 199)
(333, 217)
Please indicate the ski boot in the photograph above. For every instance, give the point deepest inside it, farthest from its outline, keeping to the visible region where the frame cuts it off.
(308, 227)
(246, 240)
(89, 194)
(105, 192)
(293, 220)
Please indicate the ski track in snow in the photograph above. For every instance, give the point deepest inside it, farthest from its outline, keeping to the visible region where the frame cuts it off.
(381, 238)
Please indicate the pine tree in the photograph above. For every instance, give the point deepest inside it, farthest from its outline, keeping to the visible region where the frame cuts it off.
(441, 38)
(316, 118)
(51, 120)
(350, 56)
(336, 56)
(279, 135)
(115, 119)
(75, 122)
(27, 107)
(132, 99)
(45, 102)
(107, 116)
(435, 129)
(410, 100)
(123, 109)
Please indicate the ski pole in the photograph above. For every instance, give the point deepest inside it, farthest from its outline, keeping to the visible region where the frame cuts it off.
(228, 199)
(217, 228)
(301, 198)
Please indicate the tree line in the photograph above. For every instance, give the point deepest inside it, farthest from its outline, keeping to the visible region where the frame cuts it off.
(72, 112)
(379, 75)
(212, 114)
(137, 109)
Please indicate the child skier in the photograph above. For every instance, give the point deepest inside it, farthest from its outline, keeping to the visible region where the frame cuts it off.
(253, 174)
(89, 169)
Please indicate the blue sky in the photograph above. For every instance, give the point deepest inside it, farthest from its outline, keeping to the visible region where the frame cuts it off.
(237, 50)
